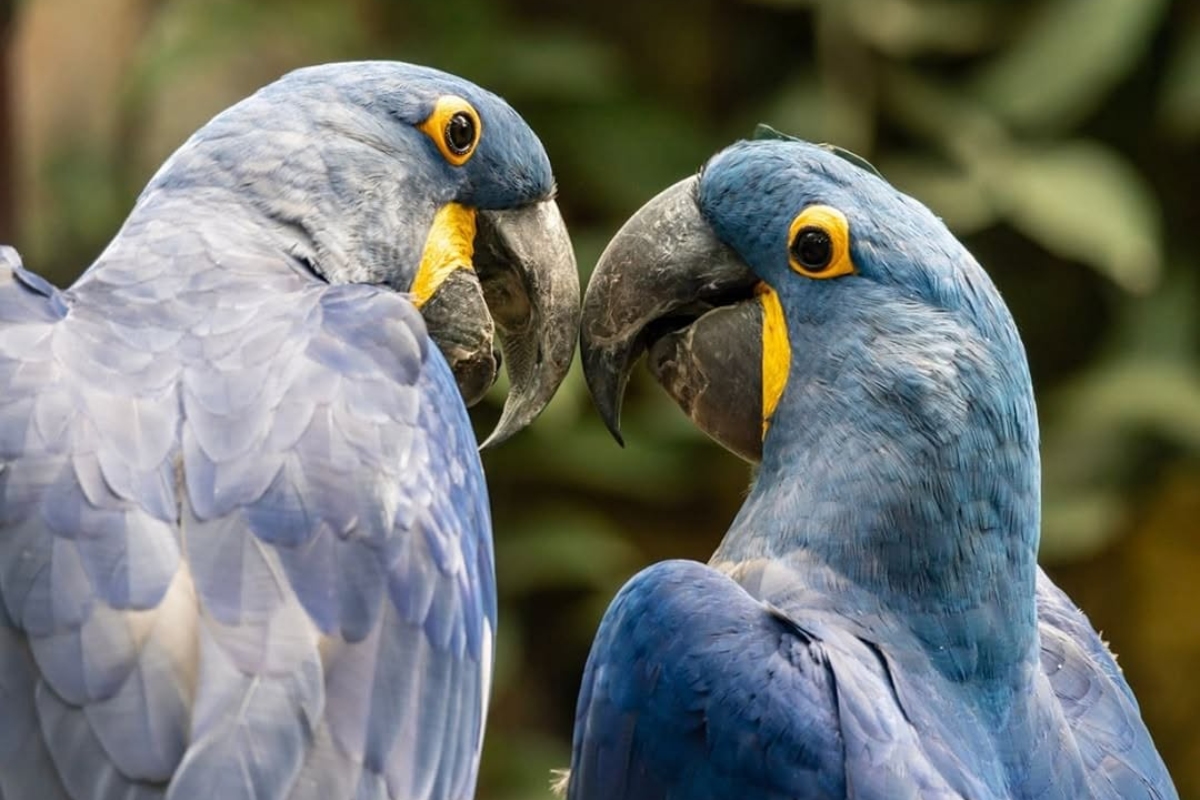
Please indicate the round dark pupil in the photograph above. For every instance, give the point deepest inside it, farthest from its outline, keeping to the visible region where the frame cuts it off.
(813, 249)
(460, 132)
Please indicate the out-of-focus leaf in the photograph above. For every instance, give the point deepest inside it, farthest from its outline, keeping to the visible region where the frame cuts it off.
(510, 656)
(1147, 386)
(216, 52)
(905, 28)
(521, 767)
(1180, 102)
(1082, 201)
(935, 112)
(1078, 524)
(956, 196)
(1163, 326)
(785, 3)
(84, 206)
(559, 549)
(798, 107)
(559, 64)
(1157, 397)
(642, 469)
(204, 32)
(1069, 55)
(1089, 452)
(849, 92)
(656, 148)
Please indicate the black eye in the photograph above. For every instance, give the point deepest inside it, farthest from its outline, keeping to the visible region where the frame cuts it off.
(812, 248)
(460, 133)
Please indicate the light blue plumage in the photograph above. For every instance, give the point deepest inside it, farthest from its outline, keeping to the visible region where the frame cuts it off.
(874, 624)
(245, 546)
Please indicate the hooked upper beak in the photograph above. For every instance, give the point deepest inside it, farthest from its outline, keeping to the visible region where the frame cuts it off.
(524, 290)
(668, 286)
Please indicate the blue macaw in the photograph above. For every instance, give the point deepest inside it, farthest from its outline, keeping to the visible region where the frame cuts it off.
(874, 624)
(245, 545)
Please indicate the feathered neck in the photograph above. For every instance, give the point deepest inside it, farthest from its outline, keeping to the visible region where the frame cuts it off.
(900, 478)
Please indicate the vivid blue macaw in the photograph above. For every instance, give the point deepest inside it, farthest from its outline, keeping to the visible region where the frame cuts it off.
(874, 624)
(245, 545)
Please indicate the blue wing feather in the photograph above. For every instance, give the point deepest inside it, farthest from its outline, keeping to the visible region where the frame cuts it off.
(696, 689)
(244, 540)
(1113, 742)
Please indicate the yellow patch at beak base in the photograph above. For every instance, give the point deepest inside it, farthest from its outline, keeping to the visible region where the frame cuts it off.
(450, 245)
(776, 352)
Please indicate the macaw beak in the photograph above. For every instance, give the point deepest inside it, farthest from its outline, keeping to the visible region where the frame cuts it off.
(523, 288)
(667, 286)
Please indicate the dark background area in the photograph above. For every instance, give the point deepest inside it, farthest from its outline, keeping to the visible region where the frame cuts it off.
(1060, 139)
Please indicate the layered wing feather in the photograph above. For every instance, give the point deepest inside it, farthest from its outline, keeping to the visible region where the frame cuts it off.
(696, 689)
(1118, 754)
(244, 541)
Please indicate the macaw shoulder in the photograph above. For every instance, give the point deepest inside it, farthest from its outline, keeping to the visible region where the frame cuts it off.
(711, 691)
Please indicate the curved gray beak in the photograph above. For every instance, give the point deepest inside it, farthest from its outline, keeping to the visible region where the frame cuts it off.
(667, 285)
(524, 291)
(530, 282)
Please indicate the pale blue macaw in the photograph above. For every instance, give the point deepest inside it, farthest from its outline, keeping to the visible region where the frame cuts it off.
(245, 546)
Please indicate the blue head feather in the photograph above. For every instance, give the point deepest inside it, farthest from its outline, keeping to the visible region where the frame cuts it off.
(508, 169)
(330, 158)
(902, 456)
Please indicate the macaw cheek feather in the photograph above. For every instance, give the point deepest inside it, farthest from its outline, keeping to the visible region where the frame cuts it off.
(448, 293)
(776, 353)
(449, 245)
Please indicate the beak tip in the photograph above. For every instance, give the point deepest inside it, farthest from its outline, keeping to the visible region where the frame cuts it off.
(531, 285)
(606, 373)
(615, 430)
(491, 441)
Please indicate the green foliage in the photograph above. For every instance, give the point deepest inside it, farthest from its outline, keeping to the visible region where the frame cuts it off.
(1056, 195)
(1180, 103)
(1067, 57)
(1057, 137)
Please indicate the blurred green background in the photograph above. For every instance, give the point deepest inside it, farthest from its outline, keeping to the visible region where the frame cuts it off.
(1059, 138)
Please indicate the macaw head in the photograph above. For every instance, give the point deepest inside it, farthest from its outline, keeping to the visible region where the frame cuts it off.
(809, 316)
(394, 174)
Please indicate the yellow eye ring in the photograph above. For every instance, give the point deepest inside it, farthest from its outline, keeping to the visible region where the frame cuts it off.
(455, 127)
(819, 243)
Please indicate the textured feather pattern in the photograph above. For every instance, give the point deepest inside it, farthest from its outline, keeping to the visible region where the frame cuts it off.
(875, 612)
(244, 537)
(697, 689)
